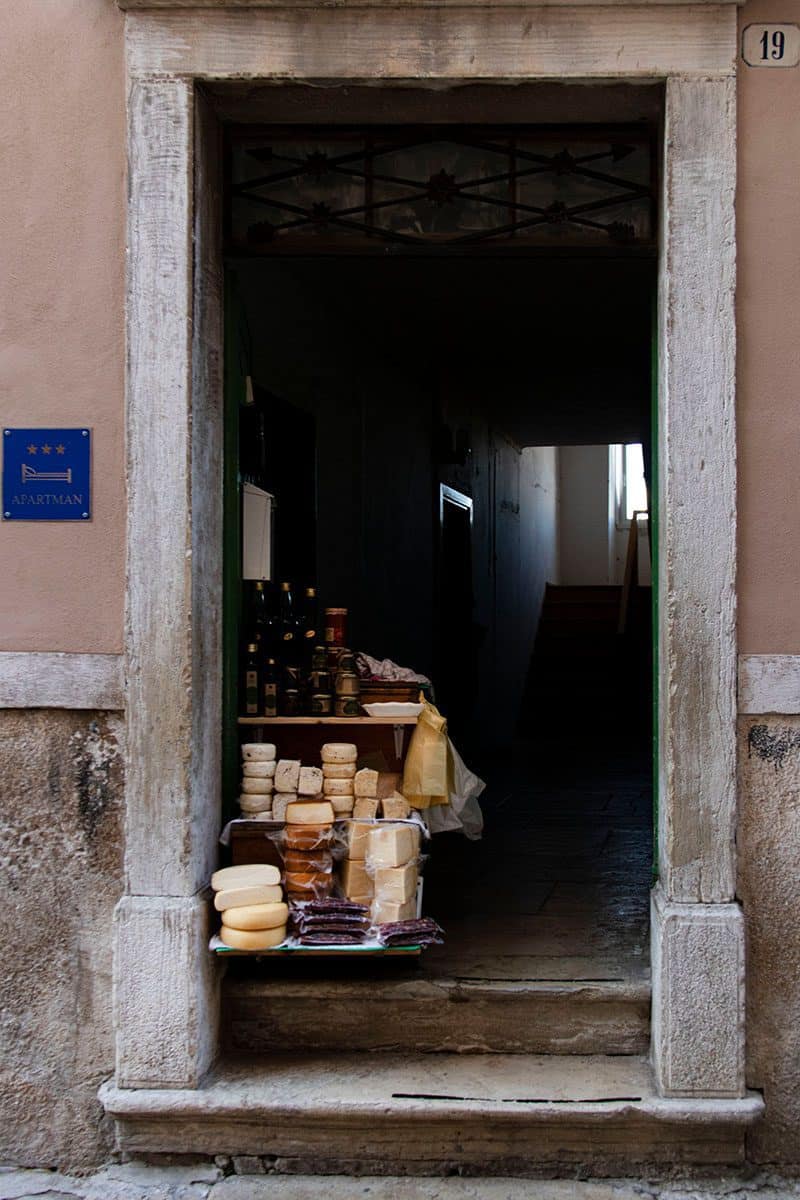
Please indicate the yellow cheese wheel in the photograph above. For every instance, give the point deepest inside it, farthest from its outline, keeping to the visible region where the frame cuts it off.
(240, 897)
(339, 752)
(257, 916)
(345, 770)
(309, 812)
(252, 939)
(245, 875)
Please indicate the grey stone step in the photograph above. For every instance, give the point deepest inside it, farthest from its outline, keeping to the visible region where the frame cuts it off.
(508, 1016)
(412, 1114)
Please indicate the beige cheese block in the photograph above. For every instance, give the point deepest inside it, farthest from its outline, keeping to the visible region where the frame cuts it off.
(365, 808)
(309, 782)
(280, 803)
(388, 783)
(252, 939)
(338, 787)
(243, 896)
(309, 812)
(341, 805)
(257, 787)
(245, 875)
(355, 880)
(257, 916)
(366, 782)
(386, 911)
(260, 816)
(339, 752)
(255, 804)
(258, 770)
(365, 900)
(392, 845)
(287, 775)
(356, 835)
(396, 883)
(258, 752)
(395, 808)
(338, 770)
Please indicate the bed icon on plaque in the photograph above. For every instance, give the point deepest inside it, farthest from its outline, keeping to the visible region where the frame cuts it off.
(47, 474)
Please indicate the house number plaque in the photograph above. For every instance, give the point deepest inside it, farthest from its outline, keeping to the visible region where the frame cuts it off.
(771, 45)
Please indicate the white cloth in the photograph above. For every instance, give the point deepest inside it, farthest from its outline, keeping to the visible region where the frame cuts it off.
(386, 669)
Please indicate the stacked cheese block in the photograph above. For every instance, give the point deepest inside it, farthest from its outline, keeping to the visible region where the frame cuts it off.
(338, 776)
(250, 899)
(258, 781)
(307, 857)
(392, 855)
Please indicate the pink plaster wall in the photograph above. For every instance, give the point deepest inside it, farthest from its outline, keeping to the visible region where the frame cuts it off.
(62, 205)
(768, 307)
(62, 264)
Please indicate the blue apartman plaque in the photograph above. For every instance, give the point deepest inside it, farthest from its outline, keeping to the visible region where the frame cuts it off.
(47, 474)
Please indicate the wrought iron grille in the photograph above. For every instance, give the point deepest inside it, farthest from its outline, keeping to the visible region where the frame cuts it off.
(300, 188)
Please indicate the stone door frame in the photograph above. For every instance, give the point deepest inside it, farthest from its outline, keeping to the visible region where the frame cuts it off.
(166, 983)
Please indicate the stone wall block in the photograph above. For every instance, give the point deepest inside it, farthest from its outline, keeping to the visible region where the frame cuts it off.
(698, 998)
(166, 989)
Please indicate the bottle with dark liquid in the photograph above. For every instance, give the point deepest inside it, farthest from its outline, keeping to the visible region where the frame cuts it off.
(251, 690)
(258, 616)
(269, 689)
(309, 626)
(290, 647)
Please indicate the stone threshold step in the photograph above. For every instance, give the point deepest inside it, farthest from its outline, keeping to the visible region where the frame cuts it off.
(414, 1114)
(437, 1014)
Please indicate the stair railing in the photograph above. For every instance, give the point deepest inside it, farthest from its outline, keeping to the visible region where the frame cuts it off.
(631, 577)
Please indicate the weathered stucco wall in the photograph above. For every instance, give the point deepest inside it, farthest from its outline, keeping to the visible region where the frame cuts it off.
(769, 887)
(768, 301)
(60, 877)
(62, 263)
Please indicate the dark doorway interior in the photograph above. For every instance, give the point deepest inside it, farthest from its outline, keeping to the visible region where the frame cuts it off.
(392, 388)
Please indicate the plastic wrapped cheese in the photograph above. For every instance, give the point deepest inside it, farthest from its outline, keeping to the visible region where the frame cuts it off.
(392, 845)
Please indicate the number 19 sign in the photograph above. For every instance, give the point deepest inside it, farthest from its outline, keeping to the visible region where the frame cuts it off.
(771, 45)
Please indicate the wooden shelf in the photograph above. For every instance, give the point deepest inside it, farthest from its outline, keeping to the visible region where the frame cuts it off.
(321, 952)
(353, 721)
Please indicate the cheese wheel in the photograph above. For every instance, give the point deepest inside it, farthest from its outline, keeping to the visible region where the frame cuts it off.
(341, 805)
(240, 897)
(339, 752)
(307, 837)
(314, 883)
(337, 787)
(258, 752)
(338, 770)
(258, 770)
(309, 812)
(257, 916)
(256, 803)
(252, 939)
(257, 787)
(245, 875)
(259, 816)
(308, 860)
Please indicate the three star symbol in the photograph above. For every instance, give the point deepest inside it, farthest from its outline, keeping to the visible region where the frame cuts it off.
(47, 448)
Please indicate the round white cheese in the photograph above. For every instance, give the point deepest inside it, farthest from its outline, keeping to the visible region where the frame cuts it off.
(245, 875)
(258, 770)
(257, 787)
(337, 787)
(339, 752)
(309, 812)
(338, 770)
(258, 752)
(241, 897)
(255, 804)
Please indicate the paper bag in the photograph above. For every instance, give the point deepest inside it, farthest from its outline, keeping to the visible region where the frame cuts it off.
(428, 773)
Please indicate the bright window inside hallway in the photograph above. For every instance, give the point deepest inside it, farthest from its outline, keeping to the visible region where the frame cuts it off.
(427, 382)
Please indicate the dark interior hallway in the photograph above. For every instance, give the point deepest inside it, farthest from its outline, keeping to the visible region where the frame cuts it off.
(558, 886)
